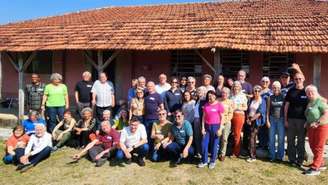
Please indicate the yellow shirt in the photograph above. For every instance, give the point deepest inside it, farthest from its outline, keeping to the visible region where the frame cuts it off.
(228, 110)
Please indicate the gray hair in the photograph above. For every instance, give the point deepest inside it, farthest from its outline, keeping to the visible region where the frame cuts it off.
(276, 83)
(257, 87)
(56, 76)
(33, 113)
(40, 125)
(191, 78)
(141, 78)
(106, 112)
(311, 87)
(86, 109)
(226, 90)
(86, 73)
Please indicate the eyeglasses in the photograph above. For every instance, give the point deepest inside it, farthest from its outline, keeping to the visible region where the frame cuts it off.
(298, 79)
(178, 115)
(257, 91)
(174, 82)
(190, 82)
(162, 114)
(265, 81)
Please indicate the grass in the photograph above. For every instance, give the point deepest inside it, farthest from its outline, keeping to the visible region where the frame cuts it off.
(55, 170)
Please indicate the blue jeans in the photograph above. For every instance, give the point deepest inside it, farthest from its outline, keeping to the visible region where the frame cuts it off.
(44, 154)
(8, 159)
(142, 151)
(53, 112)
(174, 149)
(159, 154)
(211, 140)
(149, 125)
(263, 137)
(276, 128)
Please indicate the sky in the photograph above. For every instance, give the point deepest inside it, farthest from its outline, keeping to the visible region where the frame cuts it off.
(19, 10)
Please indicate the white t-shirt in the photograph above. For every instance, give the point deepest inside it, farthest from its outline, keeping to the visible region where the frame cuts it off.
(129, 139)
(37, 144)
(160, 89)
(104, 92)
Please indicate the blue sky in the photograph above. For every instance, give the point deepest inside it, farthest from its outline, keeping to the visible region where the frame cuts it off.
(18, 10)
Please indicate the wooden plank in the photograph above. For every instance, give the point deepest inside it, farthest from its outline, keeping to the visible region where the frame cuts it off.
(11, 60)
(110, 59)
(20, 87)
(205, 60)
(100, 61)
(316, 70)
(90, 60)
(217, 61)
(29, 60)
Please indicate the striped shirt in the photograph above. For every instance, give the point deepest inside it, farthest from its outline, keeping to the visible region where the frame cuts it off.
(104, 93)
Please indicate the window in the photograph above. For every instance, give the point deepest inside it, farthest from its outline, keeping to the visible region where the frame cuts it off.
(186, 63)
(232, 61)
(275, 63)
(41, 64)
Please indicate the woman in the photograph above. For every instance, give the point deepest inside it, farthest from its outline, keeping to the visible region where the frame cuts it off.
(183, 83)
(137, 107)
(84, 127)
(15, 145)
(220, 85)
(55, 100)
(62, 132)
(122, 121)
(240, 106)
(172, 99)
(256, 117)
(275, 122)
(226, 120)
(211, 129)
(316, 115)
(197, 125)
(33, 119)
(159, 134)
(188, 107)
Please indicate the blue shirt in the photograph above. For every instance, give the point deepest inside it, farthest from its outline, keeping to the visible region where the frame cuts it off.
(29, 126)
(181, 135)
(152, 103)
(131, 93)
(173, 100)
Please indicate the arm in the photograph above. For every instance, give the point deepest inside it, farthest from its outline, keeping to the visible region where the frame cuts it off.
(203, 124)
(56, 128)
(93, 99)
(286, 113)
(76, 97)
(186, 149)
(44, 100)
(66, 102)
(268, 112)
(86, 149)
(10, 150)
(113, 101)
(71, 125)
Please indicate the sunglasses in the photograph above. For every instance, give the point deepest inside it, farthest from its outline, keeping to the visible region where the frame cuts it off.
(161, 114)
(178, 116)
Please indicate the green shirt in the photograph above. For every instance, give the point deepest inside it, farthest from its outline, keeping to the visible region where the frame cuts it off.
(314, 110)
(164, 130)
(55, 95)
(120, 124)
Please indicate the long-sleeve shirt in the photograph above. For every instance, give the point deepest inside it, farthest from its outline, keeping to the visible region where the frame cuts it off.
(37, 144)
(173, 100)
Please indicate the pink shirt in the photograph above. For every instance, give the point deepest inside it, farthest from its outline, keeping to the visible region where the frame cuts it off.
(213, 113)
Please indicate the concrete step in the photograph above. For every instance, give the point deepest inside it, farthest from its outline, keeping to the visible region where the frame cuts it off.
(5, 133)
(8, 120)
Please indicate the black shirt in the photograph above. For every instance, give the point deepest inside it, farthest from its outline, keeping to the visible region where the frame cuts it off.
(173, 100)
(84, 90)
(297, 103)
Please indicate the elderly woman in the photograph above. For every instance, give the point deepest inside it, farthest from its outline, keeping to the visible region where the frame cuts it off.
(55, 100)
(316, 114)
(84, 127)
(137, 106)
(33, 119)
(62, 132)
(219, 85)
(197, 125)
(275, 122)
(226, 120)
(188, 107)
(240, 101)
(256, 117)
(122, 121)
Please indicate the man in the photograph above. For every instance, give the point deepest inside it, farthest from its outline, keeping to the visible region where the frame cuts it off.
(286, 76)
(34, 93)
(246, 87)
(173, 98)
(181, 137)
(263, 132)
(207, 81)
(33, 119)
(132, 89)
(141, 82)
(83, 92)
(153, 102)
(191, 87)
(133, 140)
(103, 146)
(102, 95)
(38, 148)
(163, 86)
(295, 105)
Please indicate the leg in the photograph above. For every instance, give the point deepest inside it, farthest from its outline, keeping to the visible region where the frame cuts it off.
(64, 139)
(272, 138)
(142, 150)
(281, 138)
(174, 151)
(84, 138)
(45, 153)
(197, 136)
(60, 113)
(19, 153)
(237, 125)
(320, 134)
(224, 140)
(205, 143)
(291, 136)
(119, 154)
(8, 159)
(99, 113)
(94, 151)
(215, 142)
(52, 113)
(300, 141)
(252, 140)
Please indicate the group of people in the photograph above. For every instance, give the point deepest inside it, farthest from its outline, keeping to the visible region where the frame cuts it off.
(174, 121)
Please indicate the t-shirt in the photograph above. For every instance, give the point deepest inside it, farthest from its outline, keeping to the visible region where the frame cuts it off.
(254, 105)
(152, 102)
(29, 126)
(315, 109)
(104, 93)
(161, 89)
(108, 140)
(173, 100)
(138, 107)
(164, 130)
(246, 88)
(188, 109)
(84, 90)
(297, 103)
(276, 106)
(228, 110)
(129, 139)
(181, 135)
(55, 95)
(119, 124)
(212, 113)
(14, 141)
(239, 100)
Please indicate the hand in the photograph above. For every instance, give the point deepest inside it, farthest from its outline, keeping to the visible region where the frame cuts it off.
(99, 156)
(59, 137)
(66, 106)
(286, 124)
(219, 133)
(93, 102)
(43, 108)
(268, 124)
(128, 155)
(76, 156)
(164, 145)
(157, 146)
(97, 132)
(185, 153)
(203, 131)
(160, 136)
(314, 125)
(248, 121)
(24, 159)
(169, 113)
(130, 149)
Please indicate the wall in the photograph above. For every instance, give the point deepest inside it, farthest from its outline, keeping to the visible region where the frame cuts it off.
(323, 76)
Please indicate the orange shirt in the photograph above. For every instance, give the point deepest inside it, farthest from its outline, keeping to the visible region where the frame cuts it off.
(13, 140)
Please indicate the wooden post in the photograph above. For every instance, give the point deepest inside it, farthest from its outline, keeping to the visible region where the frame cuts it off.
(205, 60)
(217, 62)
(316, 70)
(20, 87)
(0, 77)
(100, 62)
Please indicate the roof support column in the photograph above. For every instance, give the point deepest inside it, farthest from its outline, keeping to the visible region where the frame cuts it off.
(100, 61)
(217, 62)
(100, 65)
(316, 70)
(0, 76)
(205, 60)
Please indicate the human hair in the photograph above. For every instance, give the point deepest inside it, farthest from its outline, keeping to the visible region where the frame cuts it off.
(207, 76)
(311, 87)
(33, 113)
(56, 76)
(19, 127)
(141, 78)
(276, 83)
(210, 92)
(183, 96)
(86, 73)
(134, 119)
(226, 90)
(257, 87)
(86, 109)
(68, 112)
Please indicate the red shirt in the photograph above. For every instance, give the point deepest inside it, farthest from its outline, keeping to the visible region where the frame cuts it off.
(13, 140)
(109, 140)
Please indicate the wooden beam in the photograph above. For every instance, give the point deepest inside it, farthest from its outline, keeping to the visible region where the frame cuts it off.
(217, 61)
(29, 60)
(11, 60)
(20, 87)
(100, 59)
(110, 59)
(0, 75)
(205, 60)
(316, 70)
(90, 60)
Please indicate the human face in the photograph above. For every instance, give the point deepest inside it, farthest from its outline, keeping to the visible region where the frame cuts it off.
(220, 80)
(35, 78)
(265, 84)
(179, 118)
(276, 89)
(224, 95)
(162, 115)
(142, 83)
(106, 116)
(140, 94)
(299, 79)
(33, 118)
(236, 88)
(311, 94)
(191, 83)
(256, 93)
(151, 87)
(56, 81)
(230, 82)
(87, 115)
(134, 126)
(18, 132)
(241, 76)
(162, 79)
(124, 114)
(183, 81)
(102, 78)
(39, 131)
(284, 79)
(105, 127)
(200, 93)
(207, 81)
(67, 116)
(211, 98)
(174, 83)
(187, 96)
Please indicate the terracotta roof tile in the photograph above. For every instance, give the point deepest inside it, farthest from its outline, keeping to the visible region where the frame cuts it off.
(260, 25)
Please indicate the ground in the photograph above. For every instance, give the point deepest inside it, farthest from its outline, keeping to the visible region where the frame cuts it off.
(56, 170)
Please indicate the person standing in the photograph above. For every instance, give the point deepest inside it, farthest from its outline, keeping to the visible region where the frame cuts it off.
(207, 81)
(246, 87)
(188, 107)
(219, 84)
(34, 93)
(55, 100)
(137, 106)
(295, 105)
(191, 87)
(173, 99)
(163, 86)
(83, 92)
(132, 89)
(103, 97)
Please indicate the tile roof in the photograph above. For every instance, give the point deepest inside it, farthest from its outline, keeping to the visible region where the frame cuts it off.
(257, 25)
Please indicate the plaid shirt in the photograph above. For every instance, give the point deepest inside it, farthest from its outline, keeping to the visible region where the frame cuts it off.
(34, 94)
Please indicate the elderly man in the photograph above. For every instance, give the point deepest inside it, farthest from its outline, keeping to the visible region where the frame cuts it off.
(34, 93)
(246, 87)
(38, 148)
(103, 146)
(207, 81)
(83, 92)
(163, 86)
(191, 87)
(102, 95)
(141, 82)
(133, 140)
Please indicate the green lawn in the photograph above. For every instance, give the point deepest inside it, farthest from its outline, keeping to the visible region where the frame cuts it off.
(56, 171)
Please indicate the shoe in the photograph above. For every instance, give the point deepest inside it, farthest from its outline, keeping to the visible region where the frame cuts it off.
(222, 158)
(179, 160)
(311, 172)
(23, 167)
(201, 165)
(323, 168)
(211, 166)
(173, 164)
(128, 161)
(54, 149)
(250, 160)
(100, 162)
(141, 162)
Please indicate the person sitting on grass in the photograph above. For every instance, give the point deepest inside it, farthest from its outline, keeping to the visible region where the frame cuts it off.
(38, 148)
(15, 145)
(122, 121)
(33, 119)
(84, 127)
(104, 146)
(62, 131)
(181, 136)
(160, 133)
(133, 140)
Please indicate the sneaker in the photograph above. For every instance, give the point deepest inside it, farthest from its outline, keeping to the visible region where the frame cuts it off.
(128, 161)
(311, 172)
(179, 160)
(250, 160)
(211, 166)
(141, 162)
(100, 162)
(23, 167)
(201, 165)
